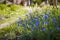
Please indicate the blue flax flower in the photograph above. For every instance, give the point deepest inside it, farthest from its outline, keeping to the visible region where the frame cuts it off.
(54, 20)
(20, 22)
(32, 28)
(46, 17)
(24, 25)
(37, 23)
(58, 28)
(59, 17)
(32, 20)
(35, 18)
(47, 22)
(43, 29)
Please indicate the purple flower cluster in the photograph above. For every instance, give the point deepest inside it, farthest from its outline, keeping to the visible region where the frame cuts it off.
(46, 16)
(59, 17)
(54, 20)
(44, 29)
(39, 21)
(58, 28)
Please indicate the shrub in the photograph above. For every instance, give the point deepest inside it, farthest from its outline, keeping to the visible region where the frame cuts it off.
(39, 25)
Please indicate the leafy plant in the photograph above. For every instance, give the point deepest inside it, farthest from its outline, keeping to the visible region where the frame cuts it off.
(38, 25)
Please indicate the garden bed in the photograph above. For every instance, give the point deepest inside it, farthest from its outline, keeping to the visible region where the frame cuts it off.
(40, 24)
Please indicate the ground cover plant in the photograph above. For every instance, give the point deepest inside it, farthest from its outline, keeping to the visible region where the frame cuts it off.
(10, 13)
(38, 25)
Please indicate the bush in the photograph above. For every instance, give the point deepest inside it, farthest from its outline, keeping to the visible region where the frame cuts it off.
(39, 25)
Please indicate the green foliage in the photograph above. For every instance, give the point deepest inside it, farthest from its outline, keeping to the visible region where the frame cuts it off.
(59, 1)
(38, 1)
(14, 7)
(6, 13)
(39, 25)
(3, 6)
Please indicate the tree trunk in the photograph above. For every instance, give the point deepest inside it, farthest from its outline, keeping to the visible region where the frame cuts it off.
(55, 2)
(16, 1)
